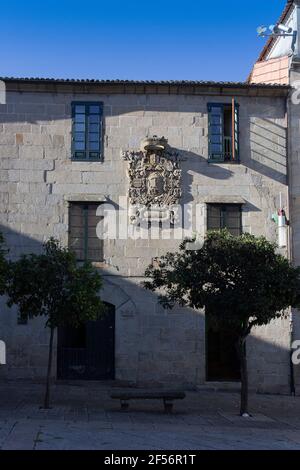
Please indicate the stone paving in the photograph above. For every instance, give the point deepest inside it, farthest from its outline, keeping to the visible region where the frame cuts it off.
(84, 417)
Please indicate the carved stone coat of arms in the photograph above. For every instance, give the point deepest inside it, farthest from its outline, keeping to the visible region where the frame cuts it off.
(154, 174)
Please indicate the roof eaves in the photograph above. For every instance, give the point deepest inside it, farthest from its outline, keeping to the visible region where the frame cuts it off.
(142, 82)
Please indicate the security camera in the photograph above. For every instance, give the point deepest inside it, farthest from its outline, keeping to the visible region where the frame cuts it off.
(280, 28)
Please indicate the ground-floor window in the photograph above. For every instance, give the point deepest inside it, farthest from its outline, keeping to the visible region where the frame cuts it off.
(83, 238)
(228, 216)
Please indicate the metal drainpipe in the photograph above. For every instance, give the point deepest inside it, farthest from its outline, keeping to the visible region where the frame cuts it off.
(292, 372)
(289, 239)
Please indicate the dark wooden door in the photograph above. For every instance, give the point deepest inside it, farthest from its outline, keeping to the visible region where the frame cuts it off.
(88, 352)
(222, 362)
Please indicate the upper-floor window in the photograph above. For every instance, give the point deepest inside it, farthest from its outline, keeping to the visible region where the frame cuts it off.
(87, 131)
(220, 216)
(223, 131)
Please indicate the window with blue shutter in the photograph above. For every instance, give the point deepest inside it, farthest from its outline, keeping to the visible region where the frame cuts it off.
(223, 132)
(216, 132)
(87, 131)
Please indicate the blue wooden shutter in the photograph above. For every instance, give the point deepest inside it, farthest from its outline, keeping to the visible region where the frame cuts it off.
(216, 132)
(78, 131)
(94, 131)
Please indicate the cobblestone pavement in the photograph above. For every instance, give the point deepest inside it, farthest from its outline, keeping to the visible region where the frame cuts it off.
(84, 417)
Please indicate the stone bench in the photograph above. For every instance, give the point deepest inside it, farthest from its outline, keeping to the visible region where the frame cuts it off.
(167, 396)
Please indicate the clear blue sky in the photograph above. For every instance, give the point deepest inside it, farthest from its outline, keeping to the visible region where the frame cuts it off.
(133, 39)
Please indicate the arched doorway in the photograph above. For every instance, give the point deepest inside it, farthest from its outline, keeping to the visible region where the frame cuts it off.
(88, 352)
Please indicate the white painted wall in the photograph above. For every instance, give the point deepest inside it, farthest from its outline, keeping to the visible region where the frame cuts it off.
(283, 45)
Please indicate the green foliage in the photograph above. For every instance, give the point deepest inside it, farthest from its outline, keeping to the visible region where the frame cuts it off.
(52, 284)
(241, 281)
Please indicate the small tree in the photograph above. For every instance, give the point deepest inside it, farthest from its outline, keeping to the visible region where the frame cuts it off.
(53, 285)
(241, 281)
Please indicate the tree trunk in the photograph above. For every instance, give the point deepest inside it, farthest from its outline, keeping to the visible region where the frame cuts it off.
(47, 394)
(244, 376)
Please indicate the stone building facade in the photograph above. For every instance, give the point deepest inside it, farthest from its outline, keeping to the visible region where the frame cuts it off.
(279, 62)
(40, 182)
